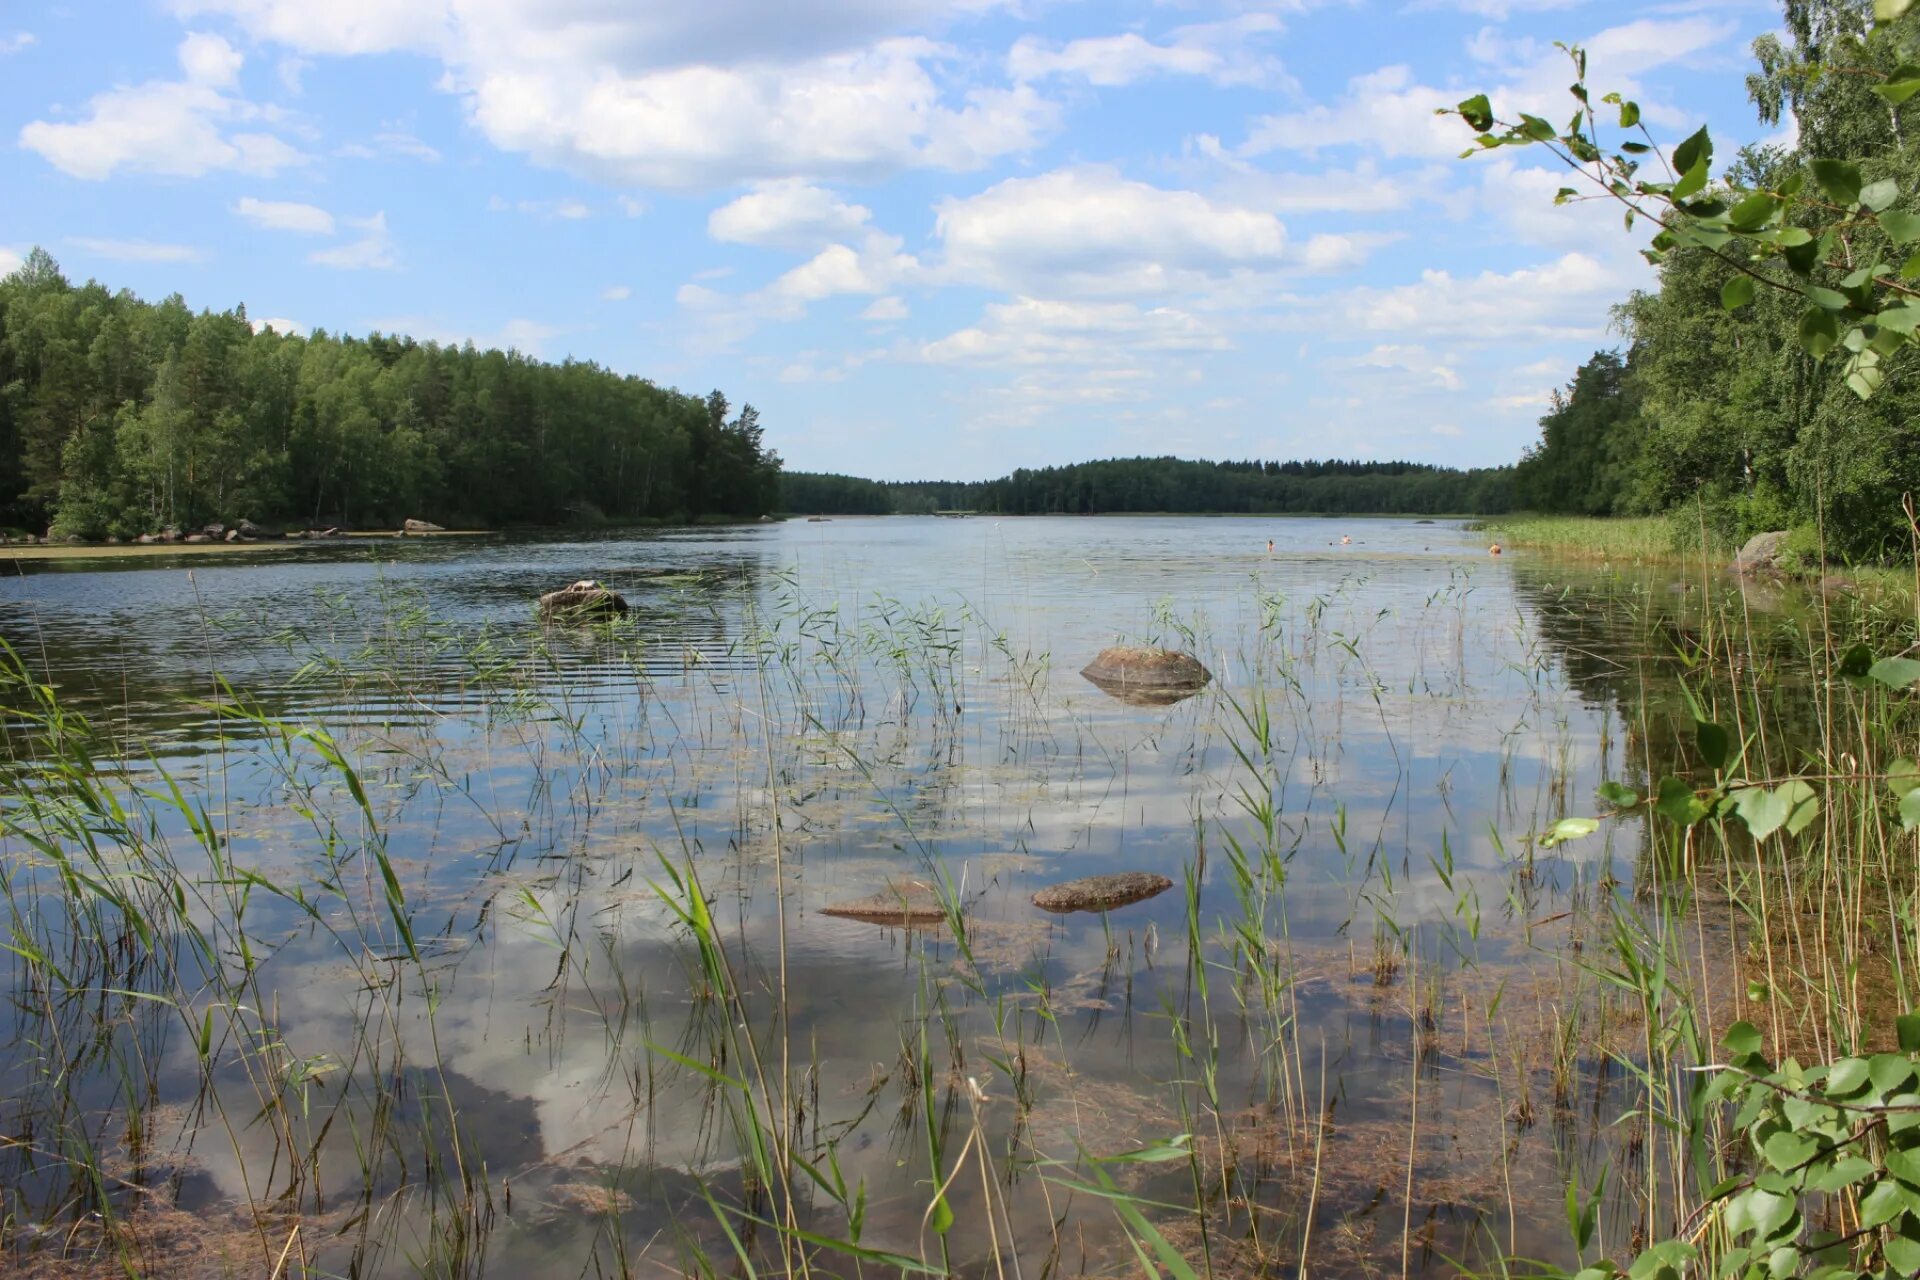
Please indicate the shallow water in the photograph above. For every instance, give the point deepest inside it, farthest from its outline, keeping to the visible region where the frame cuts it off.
(1361, 929)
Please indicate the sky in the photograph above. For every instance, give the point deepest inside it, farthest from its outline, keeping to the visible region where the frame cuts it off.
(925, 238)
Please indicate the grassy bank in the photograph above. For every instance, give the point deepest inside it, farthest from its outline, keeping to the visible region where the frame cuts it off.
(1632, 538)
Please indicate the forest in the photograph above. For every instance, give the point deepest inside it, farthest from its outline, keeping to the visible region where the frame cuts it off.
(120, 417)
(1121, 485)
(1730, 397)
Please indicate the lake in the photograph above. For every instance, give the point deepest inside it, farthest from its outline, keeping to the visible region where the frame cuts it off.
(367, 927)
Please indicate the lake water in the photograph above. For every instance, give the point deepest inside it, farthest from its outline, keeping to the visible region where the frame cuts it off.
(1333, 1034)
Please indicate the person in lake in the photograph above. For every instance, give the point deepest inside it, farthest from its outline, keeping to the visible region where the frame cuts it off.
(1344, 539)
(1269, 546)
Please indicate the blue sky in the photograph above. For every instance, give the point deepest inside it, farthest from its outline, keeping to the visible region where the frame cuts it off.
(927, 238)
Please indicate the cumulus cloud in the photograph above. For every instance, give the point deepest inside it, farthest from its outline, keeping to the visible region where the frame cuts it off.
(11, 260)
(1037, 331)
(137, 250)
(789, 213)
(1217, 51)
(372, 250)
(885, 310)
(688, 96)
(1423, 366)
(1389, 112)
(1089, 230)
(285, 215)
(280, 324)
(1562, 300)
(176, 128)
(210, 60)
(16, 42)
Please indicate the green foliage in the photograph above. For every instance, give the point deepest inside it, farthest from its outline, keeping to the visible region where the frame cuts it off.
(1590, 445)
(1766, 377)
(1844, 1136)
(818, 493)
(1252, 487)
(119, 416)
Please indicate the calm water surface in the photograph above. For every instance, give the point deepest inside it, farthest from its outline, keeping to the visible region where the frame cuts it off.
(1361, 932)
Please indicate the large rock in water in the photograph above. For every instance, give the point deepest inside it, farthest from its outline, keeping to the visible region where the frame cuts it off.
(1101, 893)
(1154, 677)
(1763, 553)
(421, 526)
(584, 599)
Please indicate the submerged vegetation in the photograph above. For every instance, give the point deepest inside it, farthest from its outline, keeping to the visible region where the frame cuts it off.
(420, 943)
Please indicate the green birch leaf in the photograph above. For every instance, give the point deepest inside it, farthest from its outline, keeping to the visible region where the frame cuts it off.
(1840, 180)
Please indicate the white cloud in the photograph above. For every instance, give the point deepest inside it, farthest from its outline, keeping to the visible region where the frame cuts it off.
(1389, 112)
(885, 310)
(210, 60)
(285, 215)
(1217, 51)
(1036, 331)
(689, 96)
(617, 292)
(1422, 364)
(16, 42)
(1562, 300)
(338, 26)
(1090, 231)
(280, 324)
(137, 250)
(788, 213)
(374, 250)
(11, 260)
(858, 113)
(168, 127)
(631, 206)
(391, 143)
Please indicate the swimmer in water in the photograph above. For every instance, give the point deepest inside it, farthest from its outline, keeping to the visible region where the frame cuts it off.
(1269, 546)
(1344, 540)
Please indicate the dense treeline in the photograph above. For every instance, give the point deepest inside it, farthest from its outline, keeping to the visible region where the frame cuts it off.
(119, 416)
(1726, 412)
(1170, 484)
(820, 493)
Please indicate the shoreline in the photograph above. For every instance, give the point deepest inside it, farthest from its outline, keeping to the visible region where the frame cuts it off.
(134, 550)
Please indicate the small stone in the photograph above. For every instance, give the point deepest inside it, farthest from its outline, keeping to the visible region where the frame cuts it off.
(1101, 893)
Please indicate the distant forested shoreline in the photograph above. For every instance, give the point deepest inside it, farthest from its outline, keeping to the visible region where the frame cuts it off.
(1170, 485)
(120, 417)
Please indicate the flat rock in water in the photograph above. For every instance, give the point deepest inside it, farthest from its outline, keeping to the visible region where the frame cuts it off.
(421, 526)
(903, 904)
(1101, 893)
(1151, 677)
(584, 599)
